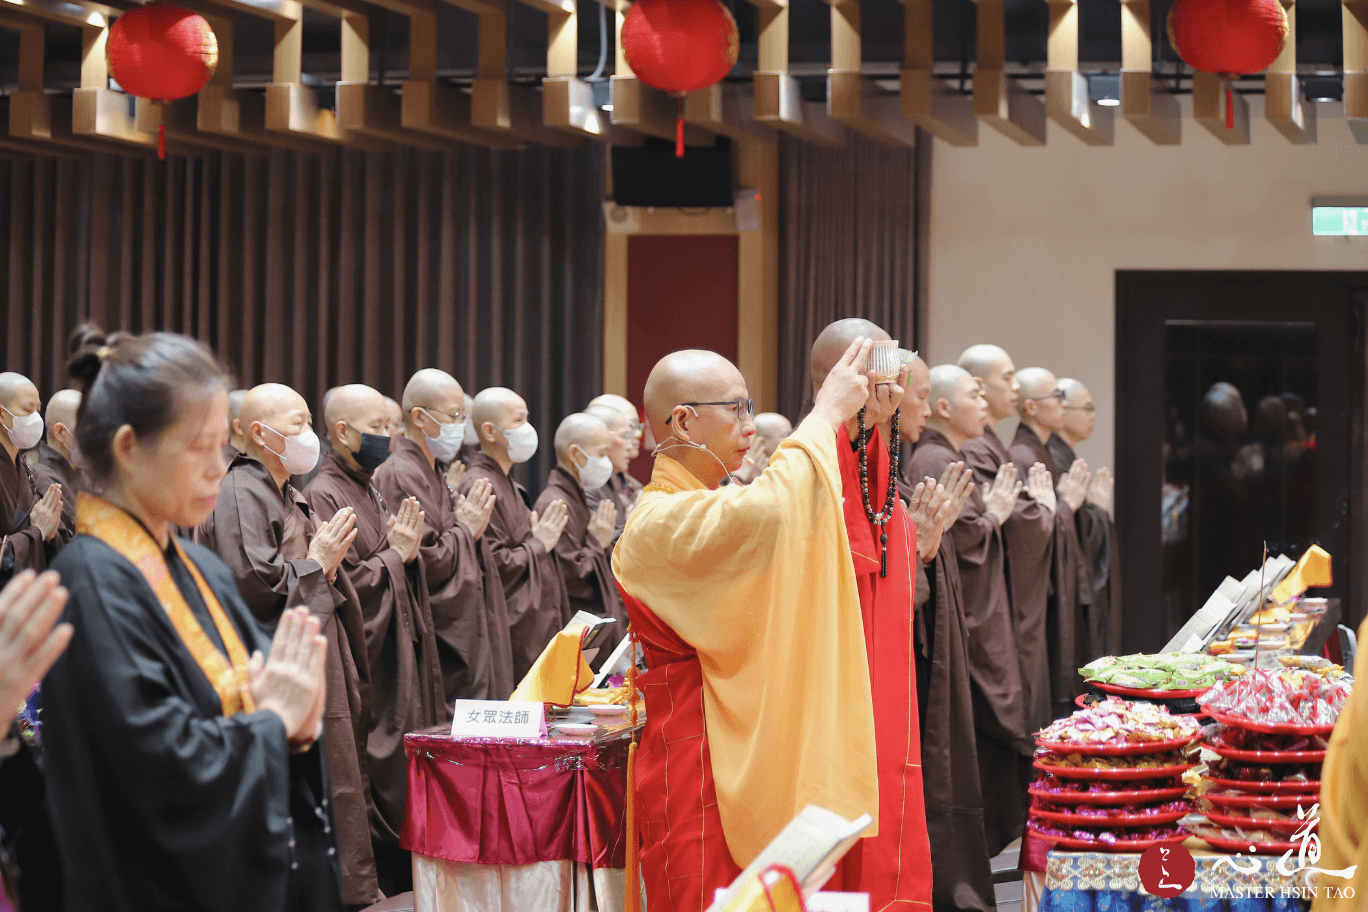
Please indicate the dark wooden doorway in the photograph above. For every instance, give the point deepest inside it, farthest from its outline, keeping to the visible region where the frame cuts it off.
(1239, 420)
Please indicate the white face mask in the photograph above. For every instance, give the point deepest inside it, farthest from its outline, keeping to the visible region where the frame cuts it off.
(596, 472)
(522, 442)
(301, 451)
(472, 437)
(25, 430)
(447, 444)
(75, 458)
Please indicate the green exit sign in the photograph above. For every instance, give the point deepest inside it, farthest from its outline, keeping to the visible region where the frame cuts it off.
(1339, 221)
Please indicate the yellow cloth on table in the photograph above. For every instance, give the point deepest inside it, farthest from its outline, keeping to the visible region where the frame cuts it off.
(759, 580)
(1344, 800)
(559, 673)
(1312, 570)
(764, 891)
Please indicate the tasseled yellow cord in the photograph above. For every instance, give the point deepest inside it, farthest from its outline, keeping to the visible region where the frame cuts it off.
(633, 862)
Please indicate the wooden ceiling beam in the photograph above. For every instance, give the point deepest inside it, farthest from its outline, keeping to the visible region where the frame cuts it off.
(568, 101)
(1144, 102)
(728, 109)
(857, 102)
(931, 103)
(503, 109)
(1354, 14)
(96, 109)
(1294, 118)
(1067, 100)
(999, 100)
(1209, 100)
(778, 101)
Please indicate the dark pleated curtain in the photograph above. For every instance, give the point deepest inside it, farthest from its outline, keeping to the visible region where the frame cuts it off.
(853, 243)
(316, 270)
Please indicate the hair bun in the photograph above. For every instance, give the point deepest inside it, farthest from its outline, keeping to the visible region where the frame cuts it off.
(87, 335)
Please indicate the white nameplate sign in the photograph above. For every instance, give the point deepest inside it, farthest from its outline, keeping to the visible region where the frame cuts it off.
(498, 719)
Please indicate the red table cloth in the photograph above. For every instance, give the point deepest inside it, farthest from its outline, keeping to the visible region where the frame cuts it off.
(505, 802)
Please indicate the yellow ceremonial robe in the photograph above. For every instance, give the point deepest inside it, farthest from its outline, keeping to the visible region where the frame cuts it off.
(758, 581)
(1344, 800)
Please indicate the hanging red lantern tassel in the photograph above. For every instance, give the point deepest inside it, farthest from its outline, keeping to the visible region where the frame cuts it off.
(1228, 37)
(680, 46)
(161, 52)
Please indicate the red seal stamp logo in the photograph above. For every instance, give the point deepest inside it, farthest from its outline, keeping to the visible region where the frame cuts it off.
(1167, 870)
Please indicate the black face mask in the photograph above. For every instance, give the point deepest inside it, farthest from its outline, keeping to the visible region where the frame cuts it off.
(375, 449)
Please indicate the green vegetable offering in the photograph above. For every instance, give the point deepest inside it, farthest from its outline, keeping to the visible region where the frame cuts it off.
(1166, 671)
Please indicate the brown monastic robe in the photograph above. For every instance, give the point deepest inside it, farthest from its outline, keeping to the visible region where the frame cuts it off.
(18, 494)
(1101, 558)
(468, 613)
(624, 490)
(1003, 741)
(583, 562)
(1029, 537)
(262, 533)
(1070, 592)
(406, 675)
(962, 876)
(532, 585)
(51, 468)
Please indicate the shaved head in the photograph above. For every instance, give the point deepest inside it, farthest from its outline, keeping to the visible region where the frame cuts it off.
(692, 375)
(994, 367)
(1036, 382)
(235, 398)
(583, 431)
(353, 404)
(916, 403)
(14, 387)
(710, 441)
(430, 388)
(267, 403)
(620, 427)
(61, 409)
(612, 400)
(958, 409)
(774, 427)
(947, 380)
(497, 409)
(833, 342)
(1041, 408)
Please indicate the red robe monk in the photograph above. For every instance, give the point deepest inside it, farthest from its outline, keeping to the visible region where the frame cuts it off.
(894, 867)
(745, 603)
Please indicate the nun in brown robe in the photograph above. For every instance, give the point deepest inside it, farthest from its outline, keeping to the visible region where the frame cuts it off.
(1028, 537)
(470, 620)
(582, 557)
(622, 489)
(534, 592)
(1003, 739)
(382, 566)
(961, 866)
(263, 529)
(21, 428)
(1070, 588)
(53, 463)
(1101, 559)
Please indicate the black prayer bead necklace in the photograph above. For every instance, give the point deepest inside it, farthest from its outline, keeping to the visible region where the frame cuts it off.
(881, 518)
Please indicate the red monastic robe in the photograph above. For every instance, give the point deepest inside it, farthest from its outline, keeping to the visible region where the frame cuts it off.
(894, 867)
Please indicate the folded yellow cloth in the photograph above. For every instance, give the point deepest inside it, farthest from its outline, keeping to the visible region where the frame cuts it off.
(1312, 570)
(768, 891)
(559, 673)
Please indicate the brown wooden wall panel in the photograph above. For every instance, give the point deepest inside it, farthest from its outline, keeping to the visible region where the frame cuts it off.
(314, 270)
(853, 243)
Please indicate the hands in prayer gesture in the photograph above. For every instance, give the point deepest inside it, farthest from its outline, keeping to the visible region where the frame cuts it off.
(1073, 486)
(1100, 491)
(47, 512)
(755, 461)
(1040, 486)
(603, 523)
(290, 682)
(936, 505)
(332, 541)
(1000, 497)
(29, 643)
(405, 529)
(885, 398)
(547, 529)
(846, 390)
(455, 474)
(474, 508)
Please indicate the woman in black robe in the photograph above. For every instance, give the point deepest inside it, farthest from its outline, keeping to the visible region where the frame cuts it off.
(180, 773)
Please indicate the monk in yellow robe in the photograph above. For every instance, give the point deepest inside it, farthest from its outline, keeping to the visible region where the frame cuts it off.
(1344, 802)
(745, 604)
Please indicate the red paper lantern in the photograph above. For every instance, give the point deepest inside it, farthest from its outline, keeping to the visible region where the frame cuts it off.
(680, 46)
(162, 52)
(1228, 37)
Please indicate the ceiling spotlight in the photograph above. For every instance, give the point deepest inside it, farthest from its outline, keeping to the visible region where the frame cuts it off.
(1323, 88)
(1104, 89)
